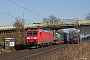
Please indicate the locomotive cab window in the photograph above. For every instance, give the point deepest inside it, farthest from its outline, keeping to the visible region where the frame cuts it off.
(32, 33)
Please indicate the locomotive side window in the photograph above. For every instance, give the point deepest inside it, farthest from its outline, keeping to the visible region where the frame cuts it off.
(40, 33)
(31, 33)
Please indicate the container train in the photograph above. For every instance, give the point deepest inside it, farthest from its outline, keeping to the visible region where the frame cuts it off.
(40, 38)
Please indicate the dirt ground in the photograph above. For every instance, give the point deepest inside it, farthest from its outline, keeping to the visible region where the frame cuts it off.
(2, 47)
(72, 52)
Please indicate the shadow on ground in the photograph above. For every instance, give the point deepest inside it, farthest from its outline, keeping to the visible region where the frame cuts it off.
(1, 46)
(20, 47)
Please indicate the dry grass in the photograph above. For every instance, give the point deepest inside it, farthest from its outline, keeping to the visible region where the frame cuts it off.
(76, 52)
(70, 52)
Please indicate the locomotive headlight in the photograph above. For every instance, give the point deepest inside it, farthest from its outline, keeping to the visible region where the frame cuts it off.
(35, 37)
(28, 37)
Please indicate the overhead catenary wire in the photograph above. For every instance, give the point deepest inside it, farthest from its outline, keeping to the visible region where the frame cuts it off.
(24, 8)
(7, 14)
(25, 5)
(29, 7)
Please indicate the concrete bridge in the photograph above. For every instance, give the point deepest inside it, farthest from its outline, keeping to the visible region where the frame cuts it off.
(83, 25)
(69, 23)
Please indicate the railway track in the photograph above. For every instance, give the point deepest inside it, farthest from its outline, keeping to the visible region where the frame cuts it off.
(30, 54)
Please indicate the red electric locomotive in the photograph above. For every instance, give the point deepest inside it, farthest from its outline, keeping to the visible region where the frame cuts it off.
(39, 38)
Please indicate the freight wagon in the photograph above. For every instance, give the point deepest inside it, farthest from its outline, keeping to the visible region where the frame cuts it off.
(66, 38)
(85, 38)
(75, 39)
(58, 37)
(39, 38)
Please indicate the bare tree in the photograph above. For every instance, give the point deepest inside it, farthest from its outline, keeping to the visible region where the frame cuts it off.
(45, 19)
(88, 16)
(20, 31)
(52, 19)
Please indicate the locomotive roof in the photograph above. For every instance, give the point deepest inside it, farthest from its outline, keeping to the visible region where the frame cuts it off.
(46, 31)
(39, 29)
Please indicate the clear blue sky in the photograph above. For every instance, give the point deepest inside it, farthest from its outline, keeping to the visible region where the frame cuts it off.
(63, 9)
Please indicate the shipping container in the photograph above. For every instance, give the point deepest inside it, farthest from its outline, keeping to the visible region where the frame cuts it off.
(75, 36)
(58, 37)
(66, 37)
(75, 39)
